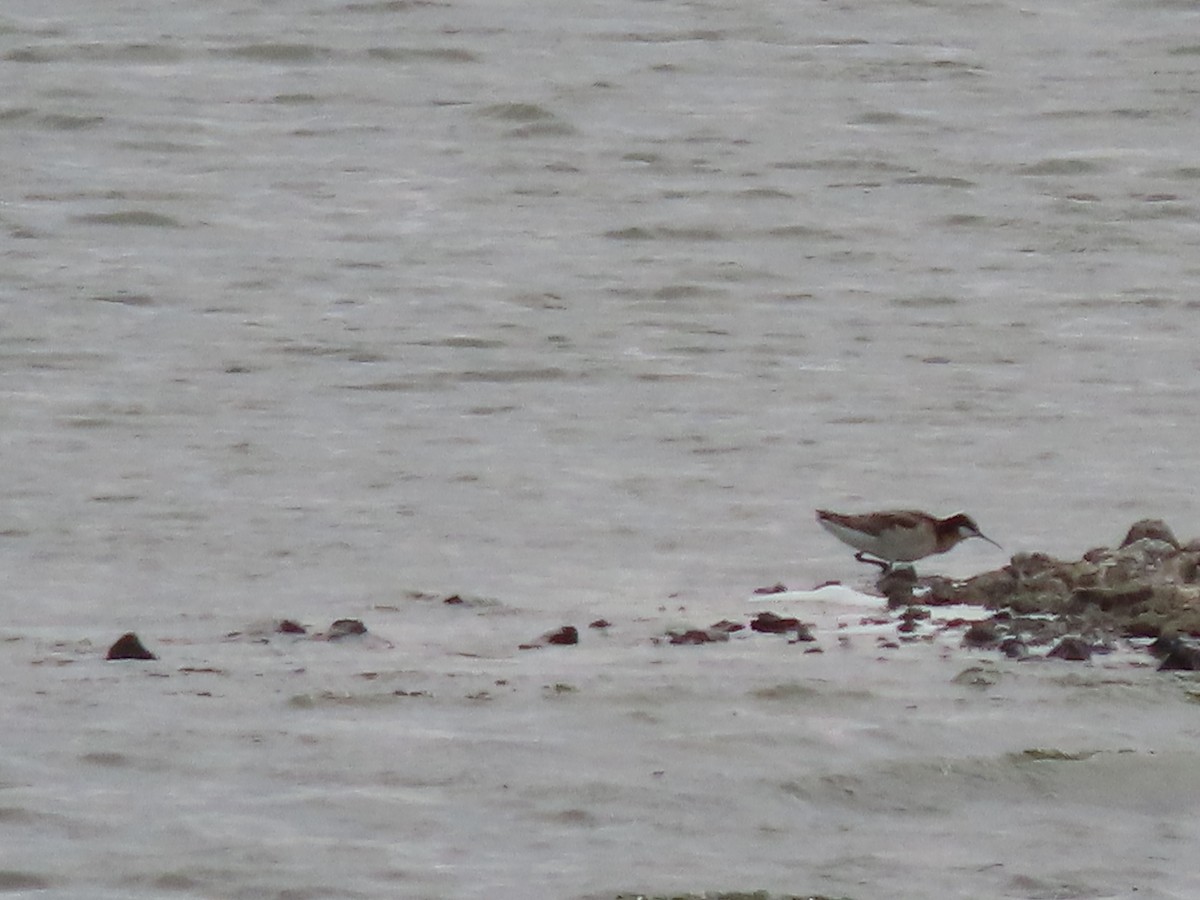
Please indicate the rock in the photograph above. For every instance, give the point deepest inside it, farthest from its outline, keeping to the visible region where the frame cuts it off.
(454, 600)
(697, 636)
(769, 623)
(727, 626)
(1030, 565)
(804, 634)
(978, 676)
(942, 591)
(1155, 529)
(1014, 648)
(287, 626)
(565, 636)
(129, 646)
(1187, 567)
(1112, 598)
(1176, 655)
(344, 628)
(777, 588)
(989, 588)
(910, 617)
(982, 634)
(600, 623)
(897, 585)
(1072, 648)
(1146, 624)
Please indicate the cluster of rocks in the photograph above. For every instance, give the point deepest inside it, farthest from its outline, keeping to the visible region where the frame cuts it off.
(130, 646)
(1147, 587)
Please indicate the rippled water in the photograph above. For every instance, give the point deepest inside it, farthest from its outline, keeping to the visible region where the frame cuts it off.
(583, 307)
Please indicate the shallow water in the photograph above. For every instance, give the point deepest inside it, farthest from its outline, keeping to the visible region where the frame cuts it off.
(584, 310)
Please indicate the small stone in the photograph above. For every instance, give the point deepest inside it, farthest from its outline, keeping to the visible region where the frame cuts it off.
(1072, 648)
(942, 591)
(978, 676)
(1112, 598)
(777, 588)
(1014, 648)
(697, 636)
(727, 626)
(989, 588)
(1176, 656)
(910, 617)
(345, 628)
(287, 626)
(804, 634)
(129, 646)
(600, 623)
(1155, 529)
(982, 634)
(897, 585)
(564, 636)
(769, 623)
(454, 600)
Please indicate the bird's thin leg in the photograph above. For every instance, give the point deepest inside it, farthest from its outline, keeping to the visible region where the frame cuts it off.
(861, 556)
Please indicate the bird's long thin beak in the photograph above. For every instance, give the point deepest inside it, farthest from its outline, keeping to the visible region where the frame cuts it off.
(980, 534)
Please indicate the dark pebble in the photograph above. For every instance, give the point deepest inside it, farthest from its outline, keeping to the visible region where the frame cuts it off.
(1072, 648)
(287, 626)
(1155, 529)
(1014, 648)
(454, 600)
(897, 585)
(804, 634)
(777, 588)
(564, 636)
(1176, 655)
(345, 628)
(600, 623)
(697, 636)
(129, 646)
(727, 626)
(769, 623)
(982, 634)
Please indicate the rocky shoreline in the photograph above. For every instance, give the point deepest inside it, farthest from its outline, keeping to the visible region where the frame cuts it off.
(1144, 594)
(1148, 587)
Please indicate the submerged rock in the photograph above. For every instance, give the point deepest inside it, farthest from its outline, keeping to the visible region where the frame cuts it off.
(129, 646)
(697, 636)
(1155, 529)
(1176, 655)
(982, 634)
(565, 636)
(344, 628)
(897, 585)
(770, 623)
(1072, 648)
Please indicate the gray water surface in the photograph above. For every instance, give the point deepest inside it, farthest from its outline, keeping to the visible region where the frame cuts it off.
(583, 307)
